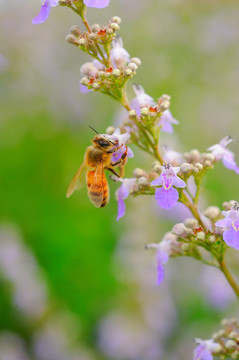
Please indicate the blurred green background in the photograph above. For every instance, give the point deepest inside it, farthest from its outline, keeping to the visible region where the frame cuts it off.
(74, 283)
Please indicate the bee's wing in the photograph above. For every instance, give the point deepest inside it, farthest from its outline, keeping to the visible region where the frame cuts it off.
(74, 182)
(96, 189)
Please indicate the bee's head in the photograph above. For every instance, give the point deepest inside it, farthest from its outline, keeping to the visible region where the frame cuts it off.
(105, 142)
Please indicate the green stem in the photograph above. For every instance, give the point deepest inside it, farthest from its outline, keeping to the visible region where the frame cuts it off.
(192, 207)
(228, 276)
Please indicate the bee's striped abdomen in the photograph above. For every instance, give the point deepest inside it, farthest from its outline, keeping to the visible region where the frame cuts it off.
(98, 189)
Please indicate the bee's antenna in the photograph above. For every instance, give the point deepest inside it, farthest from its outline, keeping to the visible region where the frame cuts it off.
(93, 129)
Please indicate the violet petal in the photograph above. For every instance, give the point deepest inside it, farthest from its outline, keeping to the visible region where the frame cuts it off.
(43, 14)
(166, 198)
(99, 4)
(231, 238)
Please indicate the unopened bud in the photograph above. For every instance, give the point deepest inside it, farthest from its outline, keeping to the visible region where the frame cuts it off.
(195, 154)
(232, 203)
(114, 26)
(71, 39)
(75, 30)
(95, 28)
(232, 335)
(200, 235)
(96, 85)
(212, 212)
(138, 173)
(84, 81)
(185, 168)
(116, 72)
(132, 113)
(191, 223)
(136, 61)
(211, 239)
(209, 157)
(224, 322)
(164, 102)
(226, 206)
(179, 229)
(230, 344)
(132, 66)
(116, 19)
(157, 166)
(128, 72)
(199, 166)
(144, 111)
(109, 31)
(82, 42)
(142, 181)
(207, 163)
(93, 36)
(110, 130)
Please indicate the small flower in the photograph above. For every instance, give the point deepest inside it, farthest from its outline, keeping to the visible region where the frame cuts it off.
(141, 100)
(119, 56)
(122, 193)
(121, 140)
(219, 151)
(205, 349)
(166, 121)
(45, 11)
(162, 255)
(167, 196)
(99, 4)
(90, 70)
(231, 225)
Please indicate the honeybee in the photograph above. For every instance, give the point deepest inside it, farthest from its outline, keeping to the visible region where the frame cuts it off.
(97, 158)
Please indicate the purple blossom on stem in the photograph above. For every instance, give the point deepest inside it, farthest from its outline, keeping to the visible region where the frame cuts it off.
(171, 156)
(205, 349)
(99, 4)
(122, 193)
(121, 140)
(141, 100)
(231, 225)
(220, 152)
(45, 11)
(162, 256)
(167, 196)
(119, 56)
(167, 121)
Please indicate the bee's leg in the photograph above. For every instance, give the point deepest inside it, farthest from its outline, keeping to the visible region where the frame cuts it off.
(113, 171)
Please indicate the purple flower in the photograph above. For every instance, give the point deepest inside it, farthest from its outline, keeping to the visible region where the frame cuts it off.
(90, 70)
(205, 349)
(122, 193)
(121, 140)
(219, 151)
(166, 121)
(45, 11)
(162, 255)
(119, 56)
(171, 156)
(167, 196)
(99, 4)
(231, 225)
(141, 100)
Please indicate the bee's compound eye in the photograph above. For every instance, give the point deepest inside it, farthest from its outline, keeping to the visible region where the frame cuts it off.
(104, 143)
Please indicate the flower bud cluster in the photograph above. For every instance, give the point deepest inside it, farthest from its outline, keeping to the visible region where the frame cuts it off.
(228, 338)
(199, 161)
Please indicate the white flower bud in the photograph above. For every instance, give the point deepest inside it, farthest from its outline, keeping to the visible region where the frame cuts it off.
(226, 206)
(128, 72)
(96, 85)
(232, 203)
(199, 166)
(116, 19)
(221, 333)
(157, 167)
(224, 322)
(191, 223)
(138, 173)
(230, 344)
(95, 28)
(89, 69)
(110, 130)
(195, 154)
(207, 163)
(132, 113)
(109, 31)
(185, 168)
(71, 39)
(142, 181)
(136, 61)
(211, 238)
(209, 157)
(132, 66)
(179, 229)
(93, 36)
(233, 335)
(82, 42)
(114, 26)
(200, 235)
(116, 72)
(84, 81)
(212, 212)
(144, 111)
(75, 30)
